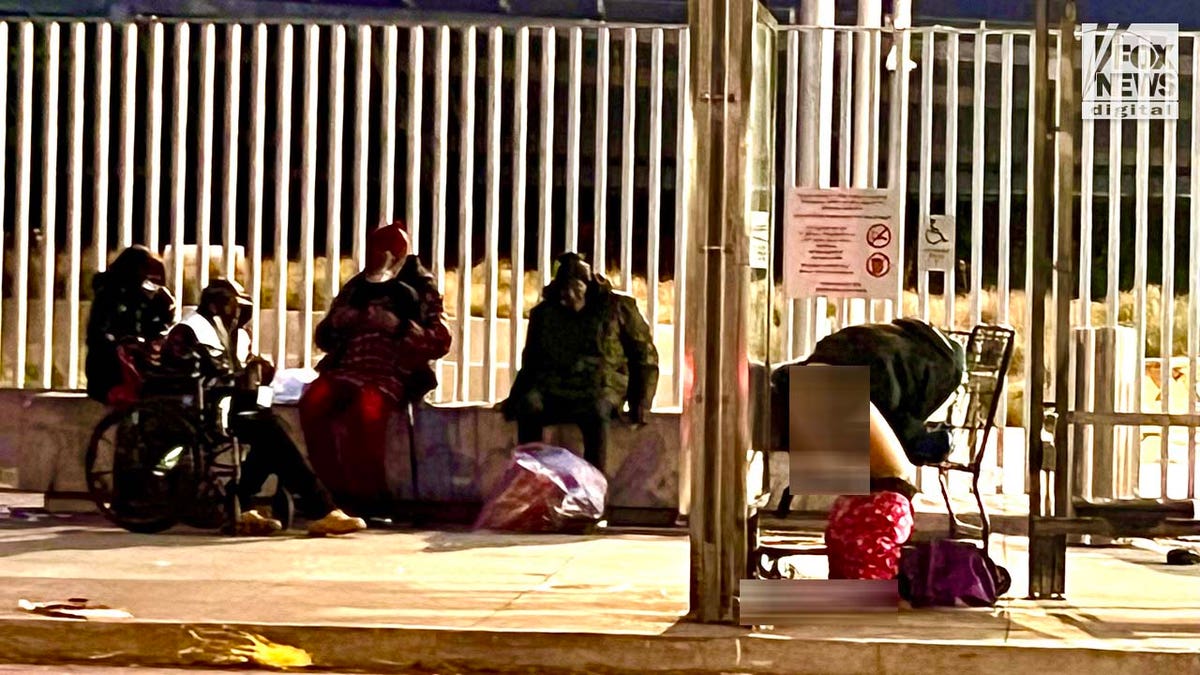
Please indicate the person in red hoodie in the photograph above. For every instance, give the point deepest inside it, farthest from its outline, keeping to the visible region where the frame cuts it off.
(380, 337)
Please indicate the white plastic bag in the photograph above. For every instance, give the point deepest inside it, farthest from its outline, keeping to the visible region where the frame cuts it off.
(289, 384)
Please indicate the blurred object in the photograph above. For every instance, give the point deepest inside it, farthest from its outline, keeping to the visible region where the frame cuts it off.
(545, 489)
(289, 384)
(74, 608)
(865, 533)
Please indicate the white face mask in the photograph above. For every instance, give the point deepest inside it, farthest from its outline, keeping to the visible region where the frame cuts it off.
(150, 287)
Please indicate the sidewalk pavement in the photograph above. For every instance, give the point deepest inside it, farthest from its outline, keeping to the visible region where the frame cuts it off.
(387, 601)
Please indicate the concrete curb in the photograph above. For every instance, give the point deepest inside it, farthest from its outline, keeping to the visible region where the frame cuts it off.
(694, 649)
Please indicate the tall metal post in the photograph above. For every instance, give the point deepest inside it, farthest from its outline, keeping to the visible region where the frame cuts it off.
(716, 388)
(1047, 553)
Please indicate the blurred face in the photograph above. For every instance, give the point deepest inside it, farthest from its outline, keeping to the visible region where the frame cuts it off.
(226, 309)
(574, 295)
(153, 279)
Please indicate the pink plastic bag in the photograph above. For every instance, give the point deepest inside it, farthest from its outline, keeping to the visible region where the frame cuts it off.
(545, 489)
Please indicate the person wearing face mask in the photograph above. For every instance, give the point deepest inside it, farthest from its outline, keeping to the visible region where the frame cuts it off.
(211, 341)
(380, 338)
(131, 312)
(588, 353)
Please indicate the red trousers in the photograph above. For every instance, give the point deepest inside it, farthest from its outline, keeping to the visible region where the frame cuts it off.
(346, 430)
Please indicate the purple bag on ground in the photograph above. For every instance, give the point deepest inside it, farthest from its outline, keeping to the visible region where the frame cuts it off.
(948, 573)
(545, 489)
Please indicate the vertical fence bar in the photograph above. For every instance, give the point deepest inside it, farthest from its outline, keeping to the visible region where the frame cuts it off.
(1193, 349)
(925, 182)
(74, 203)
(23, 199)
(49, 197)
(546, 160)
(416, 91)
(154, 132)
(600, 212)
(126, 172)
(208, 49)
(1087, 191)
(900, 148)
(337, 123)
(978, 157)
(4, 122)
(283, 168)
(574, 87)
(791, 320)
(1030, 214)
(362, 138)
(1141, 215)
(654, 220)
(520, 171)
(103, 121)
(951, 172)
(466, 215)
(683, 145)
(308, 188)
(180, 169)
(387, 120)
(628, 157)
(254, 200)
(1114, 217)
(1004, 258)
(1166, 350)
(233, 98)
(492, 259)
(441, 156)
(846, 109)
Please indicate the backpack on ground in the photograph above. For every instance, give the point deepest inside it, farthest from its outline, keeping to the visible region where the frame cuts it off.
(949, 573)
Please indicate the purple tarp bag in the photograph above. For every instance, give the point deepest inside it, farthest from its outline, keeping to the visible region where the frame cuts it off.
(948, 573)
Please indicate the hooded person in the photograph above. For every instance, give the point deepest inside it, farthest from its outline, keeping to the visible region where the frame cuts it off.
(380, 337)
(588, 353)
(130, 314)
(210, 341)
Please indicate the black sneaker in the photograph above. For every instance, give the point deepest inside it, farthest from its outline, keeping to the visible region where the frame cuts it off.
(1182, 556)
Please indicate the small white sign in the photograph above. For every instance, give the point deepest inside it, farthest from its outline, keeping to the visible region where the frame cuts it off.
(935, 247)
(760, 240)
(1131, 73)
(841, 243)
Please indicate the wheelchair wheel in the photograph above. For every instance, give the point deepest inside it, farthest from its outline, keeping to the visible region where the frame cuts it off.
(136, 461)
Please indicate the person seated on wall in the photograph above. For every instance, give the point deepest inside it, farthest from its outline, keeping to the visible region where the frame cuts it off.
(381, 336)
(131, 312)
(211, 341)
(915, 369)
(588, 353)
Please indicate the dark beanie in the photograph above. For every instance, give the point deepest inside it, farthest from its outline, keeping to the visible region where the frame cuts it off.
(571, 266)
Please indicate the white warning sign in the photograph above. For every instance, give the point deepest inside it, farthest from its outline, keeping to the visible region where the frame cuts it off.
(841, 243)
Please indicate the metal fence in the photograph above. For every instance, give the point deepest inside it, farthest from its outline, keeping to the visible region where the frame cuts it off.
(503, 145)
(268, 151)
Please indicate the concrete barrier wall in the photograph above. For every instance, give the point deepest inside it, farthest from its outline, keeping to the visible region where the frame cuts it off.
(462, 451)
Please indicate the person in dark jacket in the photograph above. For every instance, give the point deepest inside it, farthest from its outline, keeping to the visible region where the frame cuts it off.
(914, 371)
(131, 312)
(588, 353)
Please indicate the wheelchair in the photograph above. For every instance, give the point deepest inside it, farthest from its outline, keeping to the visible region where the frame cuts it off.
(171, 458)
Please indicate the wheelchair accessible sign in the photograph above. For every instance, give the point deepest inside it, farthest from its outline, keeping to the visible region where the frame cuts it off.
(841, 243)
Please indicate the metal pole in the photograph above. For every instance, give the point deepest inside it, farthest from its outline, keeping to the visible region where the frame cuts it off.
(715, 423)
(1046, 552)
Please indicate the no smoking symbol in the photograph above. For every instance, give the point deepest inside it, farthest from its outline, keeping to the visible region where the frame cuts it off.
(879, 236)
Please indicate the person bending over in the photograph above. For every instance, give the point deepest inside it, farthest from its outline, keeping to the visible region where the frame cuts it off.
(211, 341)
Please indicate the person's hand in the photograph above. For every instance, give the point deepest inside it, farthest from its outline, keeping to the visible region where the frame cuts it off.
(382, 318)
(636, 417)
